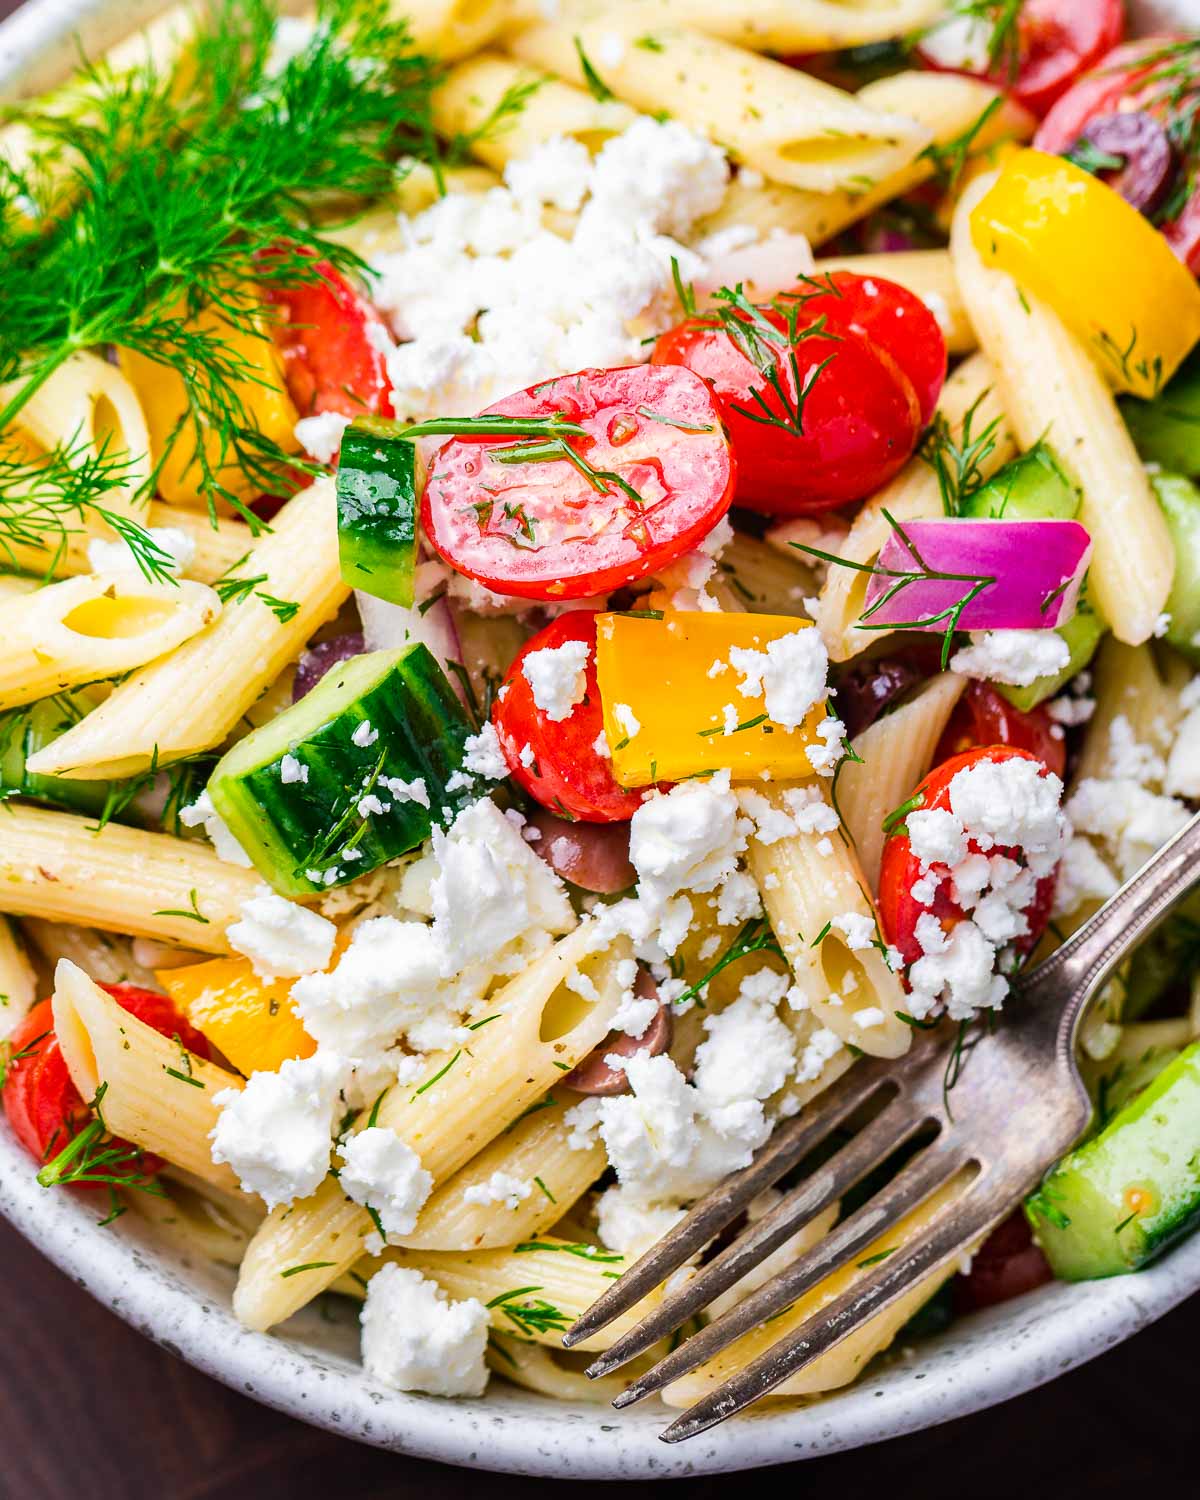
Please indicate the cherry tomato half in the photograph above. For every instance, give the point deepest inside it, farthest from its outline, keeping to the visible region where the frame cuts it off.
(328, 336)
(860, 414)
(1056, 41)
(567, 516)
(984, 717)
(900, 868)
(1006, 1265)
(562, 769)
(43, 1106)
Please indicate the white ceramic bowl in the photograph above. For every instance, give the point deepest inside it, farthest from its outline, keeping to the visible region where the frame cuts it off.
(311, 1369)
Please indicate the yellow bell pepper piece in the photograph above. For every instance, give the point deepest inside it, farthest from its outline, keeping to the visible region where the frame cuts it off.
(657, 670)
(1108, 273)
(251, 1021)
(163, 394)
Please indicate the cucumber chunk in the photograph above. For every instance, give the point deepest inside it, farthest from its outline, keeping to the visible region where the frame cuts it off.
(377, 509)
(25, 731)
(1179, 500)
(1034, 487)
(371, 723)
(1166, 430)
(1132, 1190)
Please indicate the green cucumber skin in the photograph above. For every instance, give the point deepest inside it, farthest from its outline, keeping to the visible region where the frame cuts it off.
(1153, 1144)
(1179, 500)
(377, 510)
(24, 731)
(1034, 487)
(421, 728)
(1166, 430)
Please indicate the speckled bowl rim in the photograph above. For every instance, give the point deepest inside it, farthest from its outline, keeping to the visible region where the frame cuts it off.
(310, 1372)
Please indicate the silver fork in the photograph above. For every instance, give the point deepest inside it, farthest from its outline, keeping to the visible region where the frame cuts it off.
(1018, 1105)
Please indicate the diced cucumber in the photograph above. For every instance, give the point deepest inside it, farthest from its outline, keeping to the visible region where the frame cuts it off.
(1179, 500)
(1034, 487)
(25, 731)
(1129, 1192)
(1166, 430)
(1082, 633)
(370, 723)
(377, 509)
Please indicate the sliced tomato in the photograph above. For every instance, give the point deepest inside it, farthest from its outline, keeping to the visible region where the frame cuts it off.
(1006, 1265)
(43, 1106)
(566, 517)
(331, 340)
(859, 418)
(1056, 41)
(561, 768)
(1114, 78)
(984, 717)
(900, 869)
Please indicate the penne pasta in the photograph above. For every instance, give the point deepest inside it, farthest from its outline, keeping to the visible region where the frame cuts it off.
(452, 28)
(18, 982)
(1051, 389)
(1140, 685)
(191, 699)
(60, 867)
(104, 956)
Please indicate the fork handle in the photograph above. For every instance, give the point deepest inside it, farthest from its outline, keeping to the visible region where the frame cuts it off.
(1061, 987)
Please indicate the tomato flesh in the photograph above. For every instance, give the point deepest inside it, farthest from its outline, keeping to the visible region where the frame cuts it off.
(899, 910)
(983, 717)
(43, 1106)
(661, 477)
(562, 769)
(1057, 40)
(860, 420)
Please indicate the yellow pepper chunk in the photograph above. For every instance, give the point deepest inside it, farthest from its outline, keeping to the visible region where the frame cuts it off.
(669, 712)
(1108, 273)
(163, 394)
(251, 1021)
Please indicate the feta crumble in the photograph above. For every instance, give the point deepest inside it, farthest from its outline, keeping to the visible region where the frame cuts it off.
(558, 677)
(279, 937)
(384, 1173)
(501, 1188)
(202, 814)
(1017, 657)
(415, 1339)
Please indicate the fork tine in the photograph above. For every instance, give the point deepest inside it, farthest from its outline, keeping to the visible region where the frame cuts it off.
(961, 1225)
(916, 1181)
(897, 1123)
(790, 1144)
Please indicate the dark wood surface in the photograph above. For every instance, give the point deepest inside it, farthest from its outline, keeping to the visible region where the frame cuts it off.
(89, 1410)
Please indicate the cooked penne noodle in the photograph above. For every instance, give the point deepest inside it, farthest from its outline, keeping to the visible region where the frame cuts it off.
(470, 1096)
(94, 627)
(784, 123)
(928, 273)
(452, 28)
(1141, 686)
(105, 956)
(202, 1221)
(555, 1372)
(59, 866)
(1051, 389)
(18, 982)
(895, 752)
(157, 1095)
(192, 699)
(14, 586)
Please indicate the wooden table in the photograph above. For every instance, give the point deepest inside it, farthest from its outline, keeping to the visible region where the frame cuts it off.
(89, 1410)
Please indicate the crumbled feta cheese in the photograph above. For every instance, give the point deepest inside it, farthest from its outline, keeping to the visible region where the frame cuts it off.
(627, 719)
(738, 900)
(1012, 802)
(558, 677)
(484, 756)
(856, 928)
(827, 753)
(688, 839)
(202, 813)
(955, 970)
(1161, 626)
(790, 675)
(629, 1224)
(600, 746)
(279, 937)
(1071, 710)
(1018, 657)
(500, 1187)
(869, 1016)
(384, 1173)
(748, 1052)
(117, 559)
(821, 1048)
(1183, 763)
(291, 770)
(277, 1131)
(364, 736)
(321, 436)
(936, 836)
(415, 1339)
(556, 173)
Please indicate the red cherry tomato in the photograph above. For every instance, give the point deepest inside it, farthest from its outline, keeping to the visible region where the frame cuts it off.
(327, 336)
(983, 717)
(1141, 75)
(565, 771)
(1006, 1265)
(649, 477)
(900, 868)
(860, 419)
(43, 1106)
(1056, 41)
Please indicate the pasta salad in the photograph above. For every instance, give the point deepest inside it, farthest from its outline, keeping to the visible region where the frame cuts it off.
(567, 573)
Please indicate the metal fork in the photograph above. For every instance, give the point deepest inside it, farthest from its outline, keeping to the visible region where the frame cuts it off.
(1017, 1106)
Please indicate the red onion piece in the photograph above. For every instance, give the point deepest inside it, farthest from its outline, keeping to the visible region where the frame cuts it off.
(318, 659)
(1037, 566)
(594, 1076)
(1145, 151)
(593, 856)
(387, 627)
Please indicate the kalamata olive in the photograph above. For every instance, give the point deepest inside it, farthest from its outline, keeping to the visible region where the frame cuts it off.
(1140, 143)
(866, 689)
(317, 660)
(593, 856)
(595, 1076)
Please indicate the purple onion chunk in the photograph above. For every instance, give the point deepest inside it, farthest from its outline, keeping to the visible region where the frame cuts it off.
(317, 660)
(1141, 151)
(596, 1076)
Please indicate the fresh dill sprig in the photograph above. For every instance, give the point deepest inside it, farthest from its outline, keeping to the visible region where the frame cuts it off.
(531, 1314)
(596, 85)
(958, 463)
(499, 119)
(950, 158)
(93, 1157)
(755, 937)
(1001, 18)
